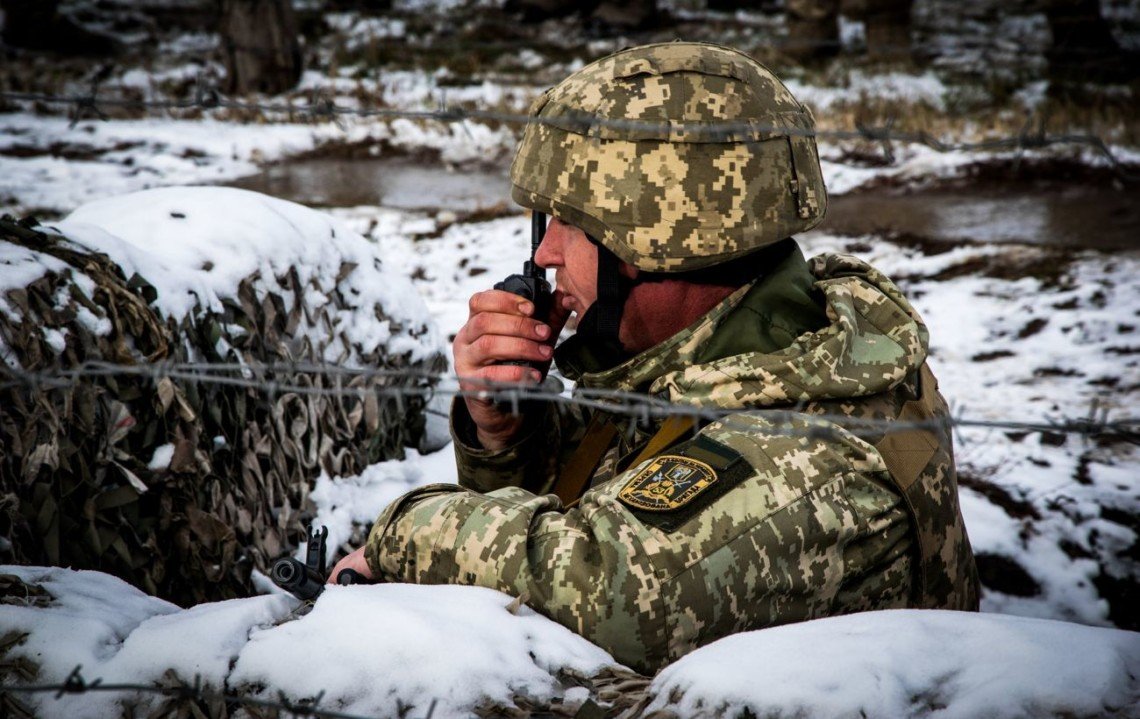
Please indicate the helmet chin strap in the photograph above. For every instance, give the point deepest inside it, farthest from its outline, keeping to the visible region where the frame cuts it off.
(602, 321)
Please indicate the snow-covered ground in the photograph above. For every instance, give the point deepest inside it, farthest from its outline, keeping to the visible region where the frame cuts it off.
(1018, 332)
(452, 651)
(1031, 499)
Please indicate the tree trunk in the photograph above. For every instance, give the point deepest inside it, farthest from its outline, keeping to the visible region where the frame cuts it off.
(259, 40)
(813, 29)
(1083, 47)
(887, 24)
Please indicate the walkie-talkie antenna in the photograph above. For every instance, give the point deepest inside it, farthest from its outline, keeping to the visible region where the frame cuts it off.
(537, 232)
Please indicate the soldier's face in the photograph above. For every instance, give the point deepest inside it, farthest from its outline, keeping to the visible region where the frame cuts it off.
(566, 250)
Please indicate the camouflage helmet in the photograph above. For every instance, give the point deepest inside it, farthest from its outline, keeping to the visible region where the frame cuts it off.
(663, 181)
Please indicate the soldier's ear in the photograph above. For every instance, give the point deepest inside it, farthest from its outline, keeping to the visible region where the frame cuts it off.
(628, 271)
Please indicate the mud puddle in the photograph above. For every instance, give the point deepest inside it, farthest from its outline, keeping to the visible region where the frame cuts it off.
(400, 183)
(1074, 214)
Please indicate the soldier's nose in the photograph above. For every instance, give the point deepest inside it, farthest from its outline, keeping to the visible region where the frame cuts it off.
(547, 254)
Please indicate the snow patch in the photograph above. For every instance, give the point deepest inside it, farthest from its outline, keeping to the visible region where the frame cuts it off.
(196, 244)
(908, 663)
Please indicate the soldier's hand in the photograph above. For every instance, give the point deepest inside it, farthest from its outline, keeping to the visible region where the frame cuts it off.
(355, 561)
(500, 328)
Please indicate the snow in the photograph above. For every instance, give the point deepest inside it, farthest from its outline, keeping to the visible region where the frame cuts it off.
(465, 259)
(1056, 491)
(66, 166)
(369, 649)
(365, 30)
(161, 457)
(908, 663)
(925, 88)
(19, 268)
(90, 617)
(450, 259)
(196, 244)
(491, 654)
(341, 501)
(178, 152)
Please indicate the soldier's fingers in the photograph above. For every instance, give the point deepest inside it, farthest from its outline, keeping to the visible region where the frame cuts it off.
(493, 349)
(497, 323)
(473, 352)
(499, 301)
(496, 376)
(354, 561)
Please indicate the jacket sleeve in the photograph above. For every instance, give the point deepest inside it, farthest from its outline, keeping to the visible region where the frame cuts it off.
(808, 528)
(568, 565)
(531, 463)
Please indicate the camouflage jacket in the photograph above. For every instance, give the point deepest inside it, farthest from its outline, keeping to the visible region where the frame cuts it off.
(771, 515)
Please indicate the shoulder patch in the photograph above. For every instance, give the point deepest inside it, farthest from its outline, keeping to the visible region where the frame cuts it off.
(668, 482)
(673, 488)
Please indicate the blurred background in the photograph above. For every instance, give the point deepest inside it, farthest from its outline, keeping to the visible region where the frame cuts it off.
(998, 78)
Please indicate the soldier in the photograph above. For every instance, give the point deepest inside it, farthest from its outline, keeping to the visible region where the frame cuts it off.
(671, 240)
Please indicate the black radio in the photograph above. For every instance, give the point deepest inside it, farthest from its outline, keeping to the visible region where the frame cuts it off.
(532, 283)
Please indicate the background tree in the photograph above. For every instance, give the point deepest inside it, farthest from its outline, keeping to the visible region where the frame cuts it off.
(887, 26)
(260, 44)
(1083, 48)
(38, 25)
(813, 29)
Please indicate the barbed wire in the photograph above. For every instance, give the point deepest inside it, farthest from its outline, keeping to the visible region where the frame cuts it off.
(322, 107)
(76, 683)
(425, 386)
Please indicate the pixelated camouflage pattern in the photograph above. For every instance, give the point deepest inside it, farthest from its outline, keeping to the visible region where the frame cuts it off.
(818, 527)
(811, 532)
(711, 157)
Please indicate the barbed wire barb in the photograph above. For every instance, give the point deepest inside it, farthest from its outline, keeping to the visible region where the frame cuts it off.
(206, 93)
(88, 105)
(74, 683)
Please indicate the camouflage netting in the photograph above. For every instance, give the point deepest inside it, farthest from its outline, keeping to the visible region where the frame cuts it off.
(80, 482)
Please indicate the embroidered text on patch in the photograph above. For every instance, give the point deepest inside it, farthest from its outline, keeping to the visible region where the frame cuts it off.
(667, 483)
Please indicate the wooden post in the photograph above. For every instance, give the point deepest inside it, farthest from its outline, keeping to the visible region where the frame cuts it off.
(260, 45)
(887, 23)
(813, 29)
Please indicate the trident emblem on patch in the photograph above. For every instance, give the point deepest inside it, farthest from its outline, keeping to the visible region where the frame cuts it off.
(668, 482)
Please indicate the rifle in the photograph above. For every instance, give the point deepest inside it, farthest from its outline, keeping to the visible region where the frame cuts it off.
(306, 580)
